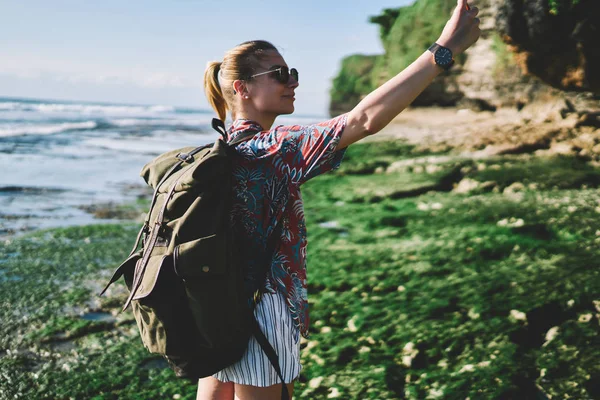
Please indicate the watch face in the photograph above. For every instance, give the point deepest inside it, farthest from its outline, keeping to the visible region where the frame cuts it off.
(443, 56)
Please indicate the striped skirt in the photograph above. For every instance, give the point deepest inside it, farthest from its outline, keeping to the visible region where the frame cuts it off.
(255, 368)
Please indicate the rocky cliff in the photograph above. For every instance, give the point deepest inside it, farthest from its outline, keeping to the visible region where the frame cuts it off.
(529, 50)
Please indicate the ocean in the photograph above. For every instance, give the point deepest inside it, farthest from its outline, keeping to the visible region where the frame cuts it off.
(60, 158)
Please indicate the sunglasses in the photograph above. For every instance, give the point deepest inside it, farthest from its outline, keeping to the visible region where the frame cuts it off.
(282, 74)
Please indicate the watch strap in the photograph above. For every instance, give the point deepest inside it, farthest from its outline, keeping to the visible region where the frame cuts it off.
(433, 48)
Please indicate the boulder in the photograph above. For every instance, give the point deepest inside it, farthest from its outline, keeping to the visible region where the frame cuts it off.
(556, 41)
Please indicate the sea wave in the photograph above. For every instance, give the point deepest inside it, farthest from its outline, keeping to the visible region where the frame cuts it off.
(46, 129)
(50, 108)
(127, 122)
(150, 146)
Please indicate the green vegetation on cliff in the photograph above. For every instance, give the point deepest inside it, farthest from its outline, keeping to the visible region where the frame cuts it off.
(353, 81)
(405, 33)
(414, 29)
(555, 40)
(560, 6)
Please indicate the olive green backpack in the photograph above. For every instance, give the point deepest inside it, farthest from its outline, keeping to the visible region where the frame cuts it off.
(186, 286)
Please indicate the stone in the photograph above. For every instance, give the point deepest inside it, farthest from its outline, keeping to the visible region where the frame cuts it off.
(466, 185)
(588, 119)
(514, 188)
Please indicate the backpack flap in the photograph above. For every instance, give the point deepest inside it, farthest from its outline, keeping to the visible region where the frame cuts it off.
(149, 276)
(125, 269)
(202, 258)
(154, 171)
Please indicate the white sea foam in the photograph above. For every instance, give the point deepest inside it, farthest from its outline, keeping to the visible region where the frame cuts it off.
(158, 142)
(126, 122)
(10, 105)
(49, 108)
(131, 145)
(45, 129)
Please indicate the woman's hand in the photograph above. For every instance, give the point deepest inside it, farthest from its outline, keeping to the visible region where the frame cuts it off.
(462, 30)
(383, 104)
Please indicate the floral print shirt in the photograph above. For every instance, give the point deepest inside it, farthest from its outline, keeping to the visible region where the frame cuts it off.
(267, 179)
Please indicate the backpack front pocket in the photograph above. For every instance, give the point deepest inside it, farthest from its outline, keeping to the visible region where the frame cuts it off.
(214, 290)
(202, 258)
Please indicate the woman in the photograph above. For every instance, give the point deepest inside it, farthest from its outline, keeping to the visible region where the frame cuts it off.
(255, 84)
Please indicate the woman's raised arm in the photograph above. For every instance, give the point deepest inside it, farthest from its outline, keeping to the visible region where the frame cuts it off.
(382, 105)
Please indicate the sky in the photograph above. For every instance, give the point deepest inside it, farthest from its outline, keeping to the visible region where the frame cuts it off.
(155, 52)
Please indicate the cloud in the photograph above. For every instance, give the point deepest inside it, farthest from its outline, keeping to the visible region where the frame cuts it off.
(58, 71)
(142, 79)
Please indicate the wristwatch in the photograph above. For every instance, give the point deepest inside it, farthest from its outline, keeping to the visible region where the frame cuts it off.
(442, 56)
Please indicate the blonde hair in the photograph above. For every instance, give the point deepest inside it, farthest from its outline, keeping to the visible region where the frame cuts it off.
(238, 63)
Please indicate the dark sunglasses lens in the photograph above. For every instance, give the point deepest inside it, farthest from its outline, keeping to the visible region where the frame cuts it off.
(283, 75)
(294, 73)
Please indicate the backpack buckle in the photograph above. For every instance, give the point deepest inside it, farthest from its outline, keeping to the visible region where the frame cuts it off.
(186, 157)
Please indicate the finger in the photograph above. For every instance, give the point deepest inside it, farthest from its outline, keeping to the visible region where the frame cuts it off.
(477, 21)
(474, 11)
(461, 4)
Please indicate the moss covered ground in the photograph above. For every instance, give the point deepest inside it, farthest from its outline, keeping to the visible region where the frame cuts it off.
(417, 291)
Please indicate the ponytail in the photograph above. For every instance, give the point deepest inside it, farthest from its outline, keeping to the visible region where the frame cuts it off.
(213, 91)
(238, 63)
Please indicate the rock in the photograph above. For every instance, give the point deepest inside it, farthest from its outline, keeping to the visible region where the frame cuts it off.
(525, 148)
(330, 225)
(352, 324)
(585, 318)
(315, 382)
(466, 185)
(550, 335)
(511, 222)
(562, 148)
(589, 119)
(514, 188)
(435, 394)
(409, 353)
(433, 168)
(552, 109)
(487, 186)
(518, 315)
(556, 41)
(467, 368)
(475, 104)
(569, 108)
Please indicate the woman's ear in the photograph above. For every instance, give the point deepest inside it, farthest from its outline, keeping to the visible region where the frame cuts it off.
(239, 86)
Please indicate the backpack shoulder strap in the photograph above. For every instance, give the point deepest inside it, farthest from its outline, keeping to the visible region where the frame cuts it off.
(271, 354)
(255, 328)
(219, 126)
